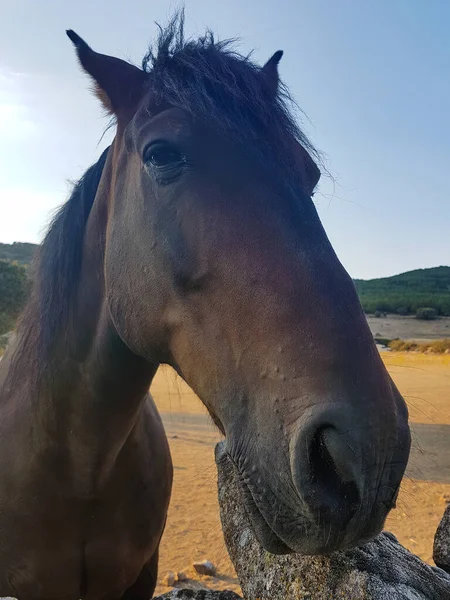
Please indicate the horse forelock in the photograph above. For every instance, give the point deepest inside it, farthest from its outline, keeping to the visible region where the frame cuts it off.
(216, 84)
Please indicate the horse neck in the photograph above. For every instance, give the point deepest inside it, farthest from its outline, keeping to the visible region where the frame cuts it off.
(94, 396)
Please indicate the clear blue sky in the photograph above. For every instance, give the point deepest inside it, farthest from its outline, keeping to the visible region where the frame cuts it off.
(373, 78)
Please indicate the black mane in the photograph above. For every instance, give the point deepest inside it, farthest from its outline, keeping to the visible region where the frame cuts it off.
(56, 272)
(223, 88)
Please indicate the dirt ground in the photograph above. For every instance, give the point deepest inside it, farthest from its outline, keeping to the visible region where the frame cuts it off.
(193, 529)
(409, 328)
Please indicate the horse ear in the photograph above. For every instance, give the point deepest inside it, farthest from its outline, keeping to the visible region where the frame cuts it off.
(270, 72)
(118, 84)
(309, 170)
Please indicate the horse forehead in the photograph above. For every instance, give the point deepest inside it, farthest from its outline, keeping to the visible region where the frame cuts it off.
(164, 121)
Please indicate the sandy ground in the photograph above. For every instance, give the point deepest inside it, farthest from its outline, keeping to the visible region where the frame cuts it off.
(193, 529)
(424, 382)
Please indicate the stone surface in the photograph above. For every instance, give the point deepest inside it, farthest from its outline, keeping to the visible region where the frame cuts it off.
(441, 550)
(198, 595)
(380, 570)
(205, 567)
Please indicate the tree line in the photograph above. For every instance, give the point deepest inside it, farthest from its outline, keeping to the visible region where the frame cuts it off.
(403, 294)
(406, 293)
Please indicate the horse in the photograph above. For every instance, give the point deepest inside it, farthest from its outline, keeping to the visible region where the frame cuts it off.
(194, 242)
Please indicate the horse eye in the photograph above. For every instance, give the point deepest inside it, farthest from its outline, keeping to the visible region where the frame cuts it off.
(162, 155)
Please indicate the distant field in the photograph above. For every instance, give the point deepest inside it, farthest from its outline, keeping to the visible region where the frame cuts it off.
(409, 328)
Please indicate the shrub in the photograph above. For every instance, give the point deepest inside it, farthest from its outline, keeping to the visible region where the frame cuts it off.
(403, 346)
(437, 347)
(6, 323)
(426, 313)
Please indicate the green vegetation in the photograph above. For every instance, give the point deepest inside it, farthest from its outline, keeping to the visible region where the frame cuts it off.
(14, 283)
(436, 347)
(424, 292)
(3, 343)
(20, 252)
(426, 313)
(406, 293)
(13, 293)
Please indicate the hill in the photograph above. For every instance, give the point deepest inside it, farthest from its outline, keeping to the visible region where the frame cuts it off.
(21, 252)
(407, 292)
(401, 294)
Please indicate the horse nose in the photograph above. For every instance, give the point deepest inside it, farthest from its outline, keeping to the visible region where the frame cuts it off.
(327, 472)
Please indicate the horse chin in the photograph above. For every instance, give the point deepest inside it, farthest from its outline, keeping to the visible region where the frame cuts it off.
(265, 535)
(308, 545)
(322, 545)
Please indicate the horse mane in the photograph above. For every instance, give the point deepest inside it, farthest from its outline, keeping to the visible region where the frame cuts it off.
(210, 80)
(55, 274)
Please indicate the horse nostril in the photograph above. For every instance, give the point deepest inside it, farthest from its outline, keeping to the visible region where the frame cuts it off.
(333, 470)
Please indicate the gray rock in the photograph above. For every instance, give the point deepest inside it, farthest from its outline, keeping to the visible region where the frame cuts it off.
(379, 570)
(205, 567)
(441, 550)
(198, 595)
